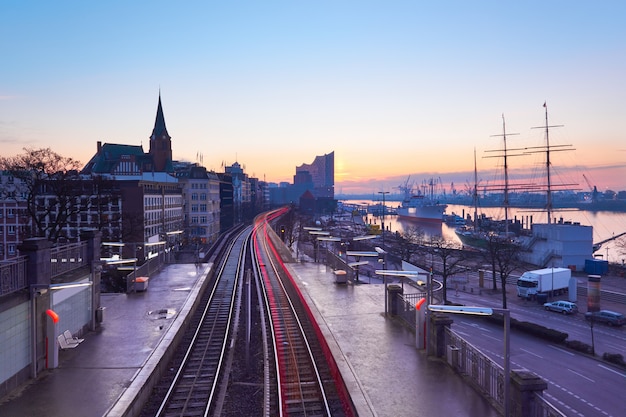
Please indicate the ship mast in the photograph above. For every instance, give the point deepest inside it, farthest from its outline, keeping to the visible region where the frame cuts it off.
(475, 196)
(547, 150)
(505, 154)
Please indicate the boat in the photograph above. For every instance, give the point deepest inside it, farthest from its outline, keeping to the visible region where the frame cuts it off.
(555, 243)
(417, 206)
(453, 219)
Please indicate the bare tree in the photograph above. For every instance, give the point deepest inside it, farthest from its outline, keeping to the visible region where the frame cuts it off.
(51, 191)
(289, 221)
(451, 257)
(503, 255)
(409, 242)
(621, 245)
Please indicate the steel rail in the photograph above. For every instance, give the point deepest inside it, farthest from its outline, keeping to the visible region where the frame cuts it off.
(300, 385)
(194, 385)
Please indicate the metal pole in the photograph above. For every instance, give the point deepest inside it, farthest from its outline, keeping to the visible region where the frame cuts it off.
(383, 216)
(385, 279)
(427, 312)
(507, 360)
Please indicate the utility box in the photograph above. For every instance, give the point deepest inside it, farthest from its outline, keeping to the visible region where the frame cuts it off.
(341, 276)
(141, 283)
(100, 314)
(453, 356)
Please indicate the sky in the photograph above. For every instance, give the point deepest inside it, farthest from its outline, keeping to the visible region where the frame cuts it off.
(399, 90)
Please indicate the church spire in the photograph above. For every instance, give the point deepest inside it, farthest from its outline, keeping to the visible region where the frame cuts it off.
(160, 141)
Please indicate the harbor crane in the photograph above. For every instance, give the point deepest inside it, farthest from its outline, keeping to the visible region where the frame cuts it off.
(592, 188)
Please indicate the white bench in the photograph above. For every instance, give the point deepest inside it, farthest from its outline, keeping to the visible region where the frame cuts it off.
(63, 343)
(67, 341)
(70, 338)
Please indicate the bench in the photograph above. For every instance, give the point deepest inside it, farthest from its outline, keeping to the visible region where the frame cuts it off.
(68, 341)
(70, 338)
(64, 344)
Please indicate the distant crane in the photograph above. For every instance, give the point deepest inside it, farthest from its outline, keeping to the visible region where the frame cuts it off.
(592, 188)
(406, 188)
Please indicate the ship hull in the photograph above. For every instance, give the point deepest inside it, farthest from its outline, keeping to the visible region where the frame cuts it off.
(432, 213)
(471, 239)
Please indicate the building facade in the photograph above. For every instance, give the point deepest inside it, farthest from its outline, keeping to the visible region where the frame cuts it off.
(321, 172)
(201, 203)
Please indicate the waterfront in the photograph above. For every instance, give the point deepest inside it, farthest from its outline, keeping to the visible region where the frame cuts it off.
(605, 224)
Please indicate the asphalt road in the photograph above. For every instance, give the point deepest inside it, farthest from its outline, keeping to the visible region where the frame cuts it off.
(580, 385)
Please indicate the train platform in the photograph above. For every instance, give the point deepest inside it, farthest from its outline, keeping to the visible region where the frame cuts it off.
(103, 374)
(385, 374)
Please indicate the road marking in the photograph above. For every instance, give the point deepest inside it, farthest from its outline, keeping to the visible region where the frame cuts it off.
(478, 326)
(561, 350)
(581, 375)
(612, 370)
(532, 353)
(492, 337)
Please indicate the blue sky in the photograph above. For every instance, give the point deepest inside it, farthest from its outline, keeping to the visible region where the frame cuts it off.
(395, 88)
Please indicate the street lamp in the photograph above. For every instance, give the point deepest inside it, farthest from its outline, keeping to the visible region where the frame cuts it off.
(487, 311)
(316, 232)
(383, 215)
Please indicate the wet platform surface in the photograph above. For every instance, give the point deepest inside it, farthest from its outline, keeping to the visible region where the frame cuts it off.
(386, 374)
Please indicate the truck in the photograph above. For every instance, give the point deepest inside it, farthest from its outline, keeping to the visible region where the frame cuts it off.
(543, 281)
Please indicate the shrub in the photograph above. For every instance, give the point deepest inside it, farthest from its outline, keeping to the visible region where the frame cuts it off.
(615, 358)
(578, 346)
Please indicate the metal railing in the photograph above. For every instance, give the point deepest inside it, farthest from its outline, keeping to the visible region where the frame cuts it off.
(67, 258)
(13, 275)
(146, 270)
(543, 408)
(406, 307)
(479, 370)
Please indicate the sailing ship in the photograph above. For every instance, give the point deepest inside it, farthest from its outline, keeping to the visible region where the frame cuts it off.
(484, 229)
(554, 243)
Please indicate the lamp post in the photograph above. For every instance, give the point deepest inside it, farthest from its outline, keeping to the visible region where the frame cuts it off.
(487, 311)
(316, 233)
(383, 253)
(383, 216)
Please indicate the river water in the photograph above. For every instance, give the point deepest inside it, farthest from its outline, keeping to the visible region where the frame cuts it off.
(605, 224)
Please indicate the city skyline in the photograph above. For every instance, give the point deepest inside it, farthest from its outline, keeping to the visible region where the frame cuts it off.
(407, 88)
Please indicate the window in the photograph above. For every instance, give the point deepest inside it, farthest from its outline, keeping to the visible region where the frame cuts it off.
(11, 230)
(11, 249)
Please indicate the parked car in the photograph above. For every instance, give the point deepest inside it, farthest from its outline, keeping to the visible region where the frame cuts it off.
(565, 307)
(611, 318)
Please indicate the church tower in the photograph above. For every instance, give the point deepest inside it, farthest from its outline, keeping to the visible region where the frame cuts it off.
(160, 143)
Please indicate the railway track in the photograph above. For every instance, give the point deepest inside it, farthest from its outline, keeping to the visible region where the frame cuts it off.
(192, 390)
(306, 378)
(253, 347)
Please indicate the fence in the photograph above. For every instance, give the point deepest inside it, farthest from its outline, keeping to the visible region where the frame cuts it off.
(67, 258)
(480, 371)
(543, 408)
(13, 275)
(146, 270)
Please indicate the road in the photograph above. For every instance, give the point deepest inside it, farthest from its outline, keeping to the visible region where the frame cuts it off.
(578, 384)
